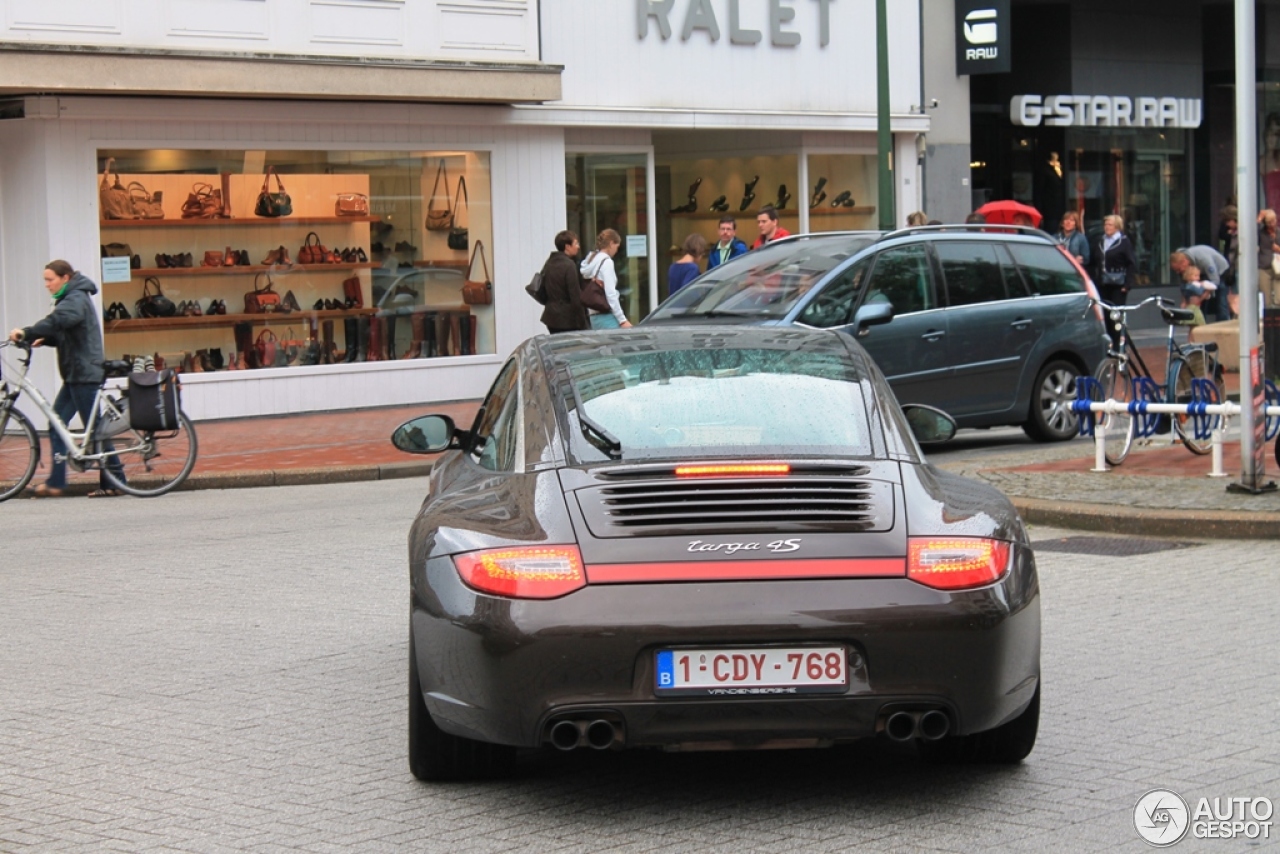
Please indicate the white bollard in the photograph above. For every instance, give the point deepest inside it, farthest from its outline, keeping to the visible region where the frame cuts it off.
(1218, 433)
(1099, 446)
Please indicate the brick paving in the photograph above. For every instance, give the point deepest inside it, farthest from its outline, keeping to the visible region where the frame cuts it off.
(230, 676)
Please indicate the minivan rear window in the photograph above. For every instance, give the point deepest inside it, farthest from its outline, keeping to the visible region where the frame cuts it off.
(1046, 270)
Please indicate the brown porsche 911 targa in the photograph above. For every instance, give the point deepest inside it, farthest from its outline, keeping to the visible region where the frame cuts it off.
(691, 538)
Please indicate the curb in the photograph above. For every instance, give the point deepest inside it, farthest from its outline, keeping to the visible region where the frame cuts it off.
(304, 476)
(1114, 519)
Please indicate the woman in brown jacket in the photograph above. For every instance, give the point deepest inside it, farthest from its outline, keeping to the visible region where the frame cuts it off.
(564, 311)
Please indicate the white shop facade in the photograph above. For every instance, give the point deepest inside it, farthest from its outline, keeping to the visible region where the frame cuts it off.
(517, 118)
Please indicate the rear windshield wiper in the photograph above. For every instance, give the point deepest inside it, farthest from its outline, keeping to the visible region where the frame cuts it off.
(594, 433)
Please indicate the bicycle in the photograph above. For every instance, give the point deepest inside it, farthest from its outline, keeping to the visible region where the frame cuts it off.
(152, 462)
(1191, 374)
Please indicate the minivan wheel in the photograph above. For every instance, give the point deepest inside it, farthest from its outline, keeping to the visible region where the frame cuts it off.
(1051, 418)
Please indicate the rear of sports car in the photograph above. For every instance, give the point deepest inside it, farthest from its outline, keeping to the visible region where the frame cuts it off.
(781, 595)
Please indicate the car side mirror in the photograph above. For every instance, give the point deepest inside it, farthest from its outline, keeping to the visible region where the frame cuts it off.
(930, 426)
(426, 434)
(872, 314)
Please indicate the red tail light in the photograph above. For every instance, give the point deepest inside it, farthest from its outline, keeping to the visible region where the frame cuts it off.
(531, 572)
(956, 563)
(733, 470)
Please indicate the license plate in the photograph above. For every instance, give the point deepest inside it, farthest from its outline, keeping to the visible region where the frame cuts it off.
(752, 672)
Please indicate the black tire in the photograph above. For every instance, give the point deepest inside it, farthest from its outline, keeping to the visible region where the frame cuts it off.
(19, 452)
(1195, 365)
(153, 463)
(435, 755)
(1007, 744)
(1051, 418)
(1116, 384)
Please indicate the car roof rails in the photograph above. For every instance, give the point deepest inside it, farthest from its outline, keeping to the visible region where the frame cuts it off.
(971, 228)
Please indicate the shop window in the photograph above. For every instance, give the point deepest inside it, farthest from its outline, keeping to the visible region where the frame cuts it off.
(843, 192)
(366, 261)
(901, 278)
(1047, 270)
(972, 273)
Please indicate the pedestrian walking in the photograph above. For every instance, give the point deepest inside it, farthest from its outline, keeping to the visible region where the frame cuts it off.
(1268, 274)
(564, 311)
(1073, 240)
(72, 327)
(767, 224)
(1115, 264)
(729, 246)
(686, 268)
(599, 266)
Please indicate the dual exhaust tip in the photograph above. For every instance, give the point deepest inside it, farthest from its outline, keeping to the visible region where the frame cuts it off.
(598, 734)
(930, 725)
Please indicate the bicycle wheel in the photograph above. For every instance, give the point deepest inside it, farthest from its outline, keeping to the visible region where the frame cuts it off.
(19, 452)
(152, 463)
(1116, 384)
(1196, 365)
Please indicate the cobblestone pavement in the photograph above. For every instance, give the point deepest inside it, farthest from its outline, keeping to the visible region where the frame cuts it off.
(225, 671)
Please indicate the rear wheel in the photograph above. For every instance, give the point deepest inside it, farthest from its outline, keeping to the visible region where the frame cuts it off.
(1052, 418)
(19, 452)
(1195, 365)
(436, 755)
(1005, 745)
(146, 463)
(1116, 383)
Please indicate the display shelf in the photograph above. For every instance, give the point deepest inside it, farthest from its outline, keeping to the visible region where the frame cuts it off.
(821, 210)
(278, 269)
(210, 321)
(235, 221)
(449, 265)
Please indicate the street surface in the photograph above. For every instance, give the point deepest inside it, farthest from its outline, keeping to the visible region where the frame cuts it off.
(225, 671)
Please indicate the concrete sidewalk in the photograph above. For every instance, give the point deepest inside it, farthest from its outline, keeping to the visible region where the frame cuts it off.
(1160, 490)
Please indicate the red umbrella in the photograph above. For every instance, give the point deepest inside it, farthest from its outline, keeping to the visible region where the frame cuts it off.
(1002, 212)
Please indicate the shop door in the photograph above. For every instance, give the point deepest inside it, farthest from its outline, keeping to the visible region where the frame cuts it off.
(1149, 215)
(611, 191)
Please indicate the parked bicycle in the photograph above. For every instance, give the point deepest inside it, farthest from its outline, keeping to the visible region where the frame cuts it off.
(1124, 376)
(153, 462)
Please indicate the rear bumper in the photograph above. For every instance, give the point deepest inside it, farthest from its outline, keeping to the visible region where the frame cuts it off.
(503, 671)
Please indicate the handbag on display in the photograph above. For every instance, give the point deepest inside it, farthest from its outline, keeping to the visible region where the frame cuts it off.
(266, 347)
(146, 205)
(273, 204)
(353, 293)
(351, 204)
(213, 258)
(440, 219)
(117, 250)
(458, 238)
(154, 304)
(261, 300)
(203, 202)
(313, 253)
(291, 346)
(113, 198)
(593, 295)
(473, 292)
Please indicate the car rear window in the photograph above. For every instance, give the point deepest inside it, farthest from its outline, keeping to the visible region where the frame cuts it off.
(764, 283)
(1047, 270)
(680, 404)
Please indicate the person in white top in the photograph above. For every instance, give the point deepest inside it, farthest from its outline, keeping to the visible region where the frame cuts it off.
(599, 265)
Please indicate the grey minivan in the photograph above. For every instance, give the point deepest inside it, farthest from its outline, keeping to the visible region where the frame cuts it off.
(991, 324)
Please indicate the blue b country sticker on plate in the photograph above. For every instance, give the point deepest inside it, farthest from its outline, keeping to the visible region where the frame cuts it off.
(666, 669)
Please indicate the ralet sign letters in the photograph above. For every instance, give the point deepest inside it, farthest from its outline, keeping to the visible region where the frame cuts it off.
(1105, 111)
(741, 16)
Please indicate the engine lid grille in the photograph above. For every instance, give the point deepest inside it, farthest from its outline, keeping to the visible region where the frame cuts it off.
(795, 503)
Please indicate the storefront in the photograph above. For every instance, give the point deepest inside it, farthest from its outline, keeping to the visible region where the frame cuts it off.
(395, 273)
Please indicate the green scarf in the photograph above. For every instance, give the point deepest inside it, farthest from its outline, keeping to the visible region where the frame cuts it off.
(62, 291)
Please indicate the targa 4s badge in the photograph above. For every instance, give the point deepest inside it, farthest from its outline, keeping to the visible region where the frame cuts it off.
(777, 546)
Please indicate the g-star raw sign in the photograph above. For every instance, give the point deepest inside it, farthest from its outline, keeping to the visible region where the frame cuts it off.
(1105, 111)
(983, 36)
(701, 15)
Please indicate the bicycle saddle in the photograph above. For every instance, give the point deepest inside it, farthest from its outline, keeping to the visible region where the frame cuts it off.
(1176, 315)
(117, 367)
